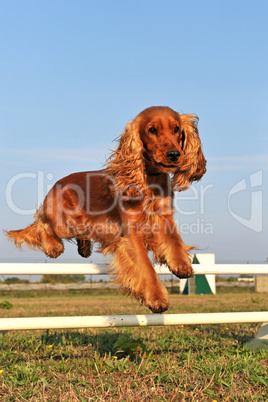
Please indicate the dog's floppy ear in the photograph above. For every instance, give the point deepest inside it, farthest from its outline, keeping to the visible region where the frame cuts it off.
(194, 163)
(126, 164)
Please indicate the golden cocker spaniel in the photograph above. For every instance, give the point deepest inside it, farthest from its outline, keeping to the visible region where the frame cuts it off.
(127, 208)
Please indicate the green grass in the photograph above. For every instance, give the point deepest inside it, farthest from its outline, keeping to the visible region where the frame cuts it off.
(182, 363)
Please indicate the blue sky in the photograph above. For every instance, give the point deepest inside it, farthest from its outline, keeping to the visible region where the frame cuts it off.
(73, 73)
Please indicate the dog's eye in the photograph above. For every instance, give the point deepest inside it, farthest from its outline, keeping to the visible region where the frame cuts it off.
(177, 129)
(152, 130)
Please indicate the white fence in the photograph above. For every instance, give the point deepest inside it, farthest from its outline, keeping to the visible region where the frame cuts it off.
(127, 320)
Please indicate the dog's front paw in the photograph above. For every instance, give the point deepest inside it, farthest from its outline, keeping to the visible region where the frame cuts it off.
(183, 271)
(157, 301)
(158, 306)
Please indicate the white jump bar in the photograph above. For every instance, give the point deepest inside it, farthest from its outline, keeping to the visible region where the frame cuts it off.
(30, 323)
(97, 269)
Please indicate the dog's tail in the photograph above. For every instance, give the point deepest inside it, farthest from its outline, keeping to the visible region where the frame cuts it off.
(28, 236)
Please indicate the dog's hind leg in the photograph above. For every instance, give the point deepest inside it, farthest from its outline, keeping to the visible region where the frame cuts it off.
(52, 245)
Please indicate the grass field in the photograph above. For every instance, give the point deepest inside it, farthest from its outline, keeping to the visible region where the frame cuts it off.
(182, 363)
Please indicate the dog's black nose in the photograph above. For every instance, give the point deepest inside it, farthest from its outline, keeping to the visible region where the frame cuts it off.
(173, 155)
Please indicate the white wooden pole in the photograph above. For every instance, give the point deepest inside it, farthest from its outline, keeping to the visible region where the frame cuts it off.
(8, 324)
(97, 269)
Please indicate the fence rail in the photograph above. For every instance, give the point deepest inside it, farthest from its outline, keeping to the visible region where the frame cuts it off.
(130, 320)
(127, 320)
(102, 269)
